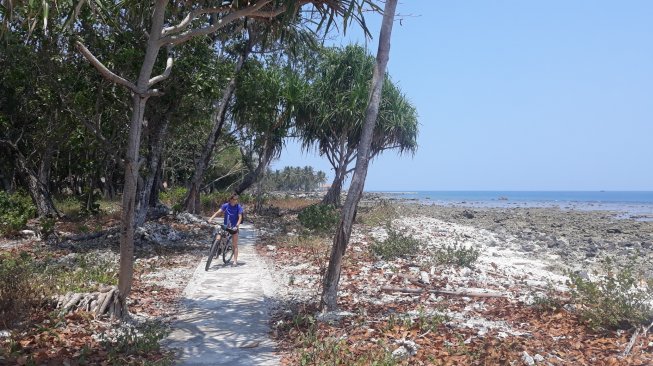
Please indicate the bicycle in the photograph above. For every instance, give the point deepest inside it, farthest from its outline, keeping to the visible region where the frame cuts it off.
(222, 246)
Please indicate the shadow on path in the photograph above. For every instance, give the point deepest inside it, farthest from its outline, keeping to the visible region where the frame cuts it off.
(224, 320)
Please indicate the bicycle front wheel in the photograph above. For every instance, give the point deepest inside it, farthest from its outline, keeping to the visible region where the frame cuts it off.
(228, 251)
(212, 251)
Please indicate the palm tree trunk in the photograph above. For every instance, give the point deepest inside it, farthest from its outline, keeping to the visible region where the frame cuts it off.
(333, 194)
(343, 233)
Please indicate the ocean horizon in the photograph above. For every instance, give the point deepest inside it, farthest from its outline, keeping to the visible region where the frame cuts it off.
(634, 203)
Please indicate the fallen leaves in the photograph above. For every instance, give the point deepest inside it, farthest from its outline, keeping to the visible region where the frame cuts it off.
(507, 328)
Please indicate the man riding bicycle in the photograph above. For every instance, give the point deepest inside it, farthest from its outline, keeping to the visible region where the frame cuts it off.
(233, 217)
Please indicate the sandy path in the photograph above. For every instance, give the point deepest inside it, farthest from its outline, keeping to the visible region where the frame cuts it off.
(225, 317)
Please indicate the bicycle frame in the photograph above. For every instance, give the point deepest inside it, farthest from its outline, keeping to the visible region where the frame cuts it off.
(221, 246)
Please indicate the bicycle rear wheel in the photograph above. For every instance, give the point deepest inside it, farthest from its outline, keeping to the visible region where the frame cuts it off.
(228, 251)
(212, 251)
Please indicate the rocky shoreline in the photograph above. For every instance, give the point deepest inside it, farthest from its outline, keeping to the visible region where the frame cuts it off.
(573, 239)
(524, 258)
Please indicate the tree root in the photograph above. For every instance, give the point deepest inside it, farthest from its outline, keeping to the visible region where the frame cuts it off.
(102, 302)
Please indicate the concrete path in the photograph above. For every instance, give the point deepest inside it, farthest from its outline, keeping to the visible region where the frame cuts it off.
(225, 319)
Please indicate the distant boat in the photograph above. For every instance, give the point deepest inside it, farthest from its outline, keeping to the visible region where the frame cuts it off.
(503, 198)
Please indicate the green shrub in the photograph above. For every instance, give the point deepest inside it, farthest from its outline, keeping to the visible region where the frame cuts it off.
(320, 218)
(246, 198)
(18, 291)
(69, 205)
(173, 196)
(548, 301)
(456, 254)
(15, 210)
(396, 245)
(616, 300)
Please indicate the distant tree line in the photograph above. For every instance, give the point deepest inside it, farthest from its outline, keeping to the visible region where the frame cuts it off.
(294, 179)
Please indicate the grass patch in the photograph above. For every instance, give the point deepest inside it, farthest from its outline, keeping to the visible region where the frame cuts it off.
(20, 292)
(424, 321)
(84, 273)
(396, 245)
(378, 215)
(313, 347)
(618, 299)
(456, 254)
(291, 204)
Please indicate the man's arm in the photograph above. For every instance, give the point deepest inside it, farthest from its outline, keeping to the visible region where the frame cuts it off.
(240, 219)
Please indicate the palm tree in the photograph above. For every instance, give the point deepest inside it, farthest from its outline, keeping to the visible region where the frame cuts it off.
(332, 115)
(343, 232)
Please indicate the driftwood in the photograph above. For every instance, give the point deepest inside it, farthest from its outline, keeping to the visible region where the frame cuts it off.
(412, 280)
(99, 303)
(633, 339)
(639, 331)
(89, 236)
(467, 293)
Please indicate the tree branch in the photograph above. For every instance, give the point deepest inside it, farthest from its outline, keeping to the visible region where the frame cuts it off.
(108, 74)
(190, 17)
(166, 72)
(172, 39)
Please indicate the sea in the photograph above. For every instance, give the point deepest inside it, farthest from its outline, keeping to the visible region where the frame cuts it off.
(627, 204)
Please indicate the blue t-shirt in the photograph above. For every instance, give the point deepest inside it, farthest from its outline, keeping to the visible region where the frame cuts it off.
(231, 214)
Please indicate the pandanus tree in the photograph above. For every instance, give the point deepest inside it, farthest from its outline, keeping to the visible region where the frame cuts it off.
(271, 39)
(264, 106)
(332, 115)
(329, 298)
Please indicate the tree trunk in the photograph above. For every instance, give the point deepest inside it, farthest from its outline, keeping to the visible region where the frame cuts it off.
(333, 194)
(254, 175)
(343, 233)
(129, 201)
(157, 185)
(46, 163)
(37, 190)
(156, 143)
(192, 201)
(139, 100)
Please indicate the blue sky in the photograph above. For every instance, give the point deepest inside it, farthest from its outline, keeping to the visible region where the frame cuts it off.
(519, 95)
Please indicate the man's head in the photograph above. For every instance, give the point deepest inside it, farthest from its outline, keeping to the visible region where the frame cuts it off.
(233, 199)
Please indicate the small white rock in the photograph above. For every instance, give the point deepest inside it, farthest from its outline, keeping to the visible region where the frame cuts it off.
(400, 353)
(528, 360)
(271, 247)
(407, 349)
(424, 277)
(538, 357)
